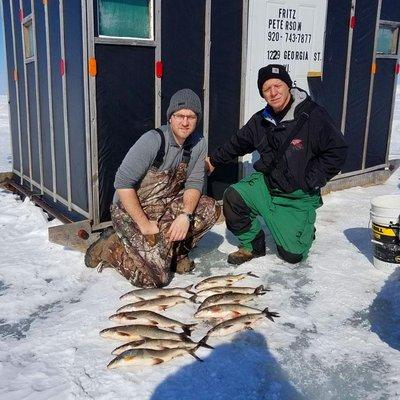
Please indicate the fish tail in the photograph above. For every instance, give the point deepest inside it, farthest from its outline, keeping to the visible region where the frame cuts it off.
(192, 353)
(252, 274)
(260, 290)
(270, 314)
(184, 337)
(202, 343)
(187, 329)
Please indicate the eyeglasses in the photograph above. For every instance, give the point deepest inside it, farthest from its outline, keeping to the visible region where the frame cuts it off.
(181, 117)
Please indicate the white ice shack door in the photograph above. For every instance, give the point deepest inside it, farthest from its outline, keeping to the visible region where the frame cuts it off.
(287, 32)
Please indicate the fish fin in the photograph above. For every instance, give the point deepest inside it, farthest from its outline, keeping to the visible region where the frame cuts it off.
(157, 361)
(192, 353)
(248, 328)
(122, 333)
(270, 314)
(236, 314)
(252, 274)
(163, 308)
(228, 326)
(153, 322)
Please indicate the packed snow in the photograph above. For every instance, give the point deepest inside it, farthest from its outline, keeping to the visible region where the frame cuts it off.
(338, 336)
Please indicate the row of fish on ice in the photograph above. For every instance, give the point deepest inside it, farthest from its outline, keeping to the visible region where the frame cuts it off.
(152, 338)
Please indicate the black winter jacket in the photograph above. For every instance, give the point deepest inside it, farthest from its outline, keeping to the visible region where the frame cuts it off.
(314, 156)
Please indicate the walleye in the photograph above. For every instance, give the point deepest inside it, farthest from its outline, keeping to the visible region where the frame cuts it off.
(225, 311)
(146, 294)
(128, 333)
(237, 324)
(148, 357)
(234, 289)
(145, 317)
(225, 298)
(158, 344)
(221, 280)
(157, 304)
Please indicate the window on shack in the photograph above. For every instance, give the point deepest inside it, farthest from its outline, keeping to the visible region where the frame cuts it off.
(388, 39)
(28, 39)
(126, 18)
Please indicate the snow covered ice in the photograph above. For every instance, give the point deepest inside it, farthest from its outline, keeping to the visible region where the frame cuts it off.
(338, 336)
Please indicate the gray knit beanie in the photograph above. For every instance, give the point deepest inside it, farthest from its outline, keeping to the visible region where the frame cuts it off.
(185, 98)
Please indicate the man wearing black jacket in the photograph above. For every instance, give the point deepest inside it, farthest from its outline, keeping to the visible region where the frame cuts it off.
(300, 150)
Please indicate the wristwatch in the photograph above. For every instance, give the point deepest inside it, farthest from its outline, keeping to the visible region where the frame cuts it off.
(189, 216)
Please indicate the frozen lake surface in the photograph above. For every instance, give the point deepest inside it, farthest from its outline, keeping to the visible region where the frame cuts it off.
(338, 336)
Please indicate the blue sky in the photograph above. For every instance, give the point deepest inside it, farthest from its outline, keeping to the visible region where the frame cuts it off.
(3, 70)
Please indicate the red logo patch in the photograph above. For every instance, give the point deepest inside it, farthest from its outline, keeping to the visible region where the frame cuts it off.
(297, 144)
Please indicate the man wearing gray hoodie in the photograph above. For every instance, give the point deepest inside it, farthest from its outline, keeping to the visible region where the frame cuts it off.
(158, 211)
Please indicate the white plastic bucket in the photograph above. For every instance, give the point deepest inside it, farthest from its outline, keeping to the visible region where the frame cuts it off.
(385, 217)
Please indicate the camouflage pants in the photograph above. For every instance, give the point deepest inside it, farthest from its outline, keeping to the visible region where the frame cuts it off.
(154, 257)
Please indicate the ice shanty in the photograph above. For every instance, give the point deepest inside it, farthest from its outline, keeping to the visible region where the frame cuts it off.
(87, 78)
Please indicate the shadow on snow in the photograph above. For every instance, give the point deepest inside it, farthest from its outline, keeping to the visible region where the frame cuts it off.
(241, 369)
(384, 312)
(361, 239)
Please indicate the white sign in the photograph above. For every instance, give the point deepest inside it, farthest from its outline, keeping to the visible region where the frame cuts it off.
(288, 32)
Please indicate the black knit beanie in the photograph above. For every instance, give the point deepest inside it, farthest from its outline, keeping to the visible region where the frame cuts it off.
(273, 71)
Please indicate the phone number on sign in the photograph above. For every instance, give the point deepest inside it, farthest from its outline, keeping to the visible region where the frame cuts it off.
(289, 37)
